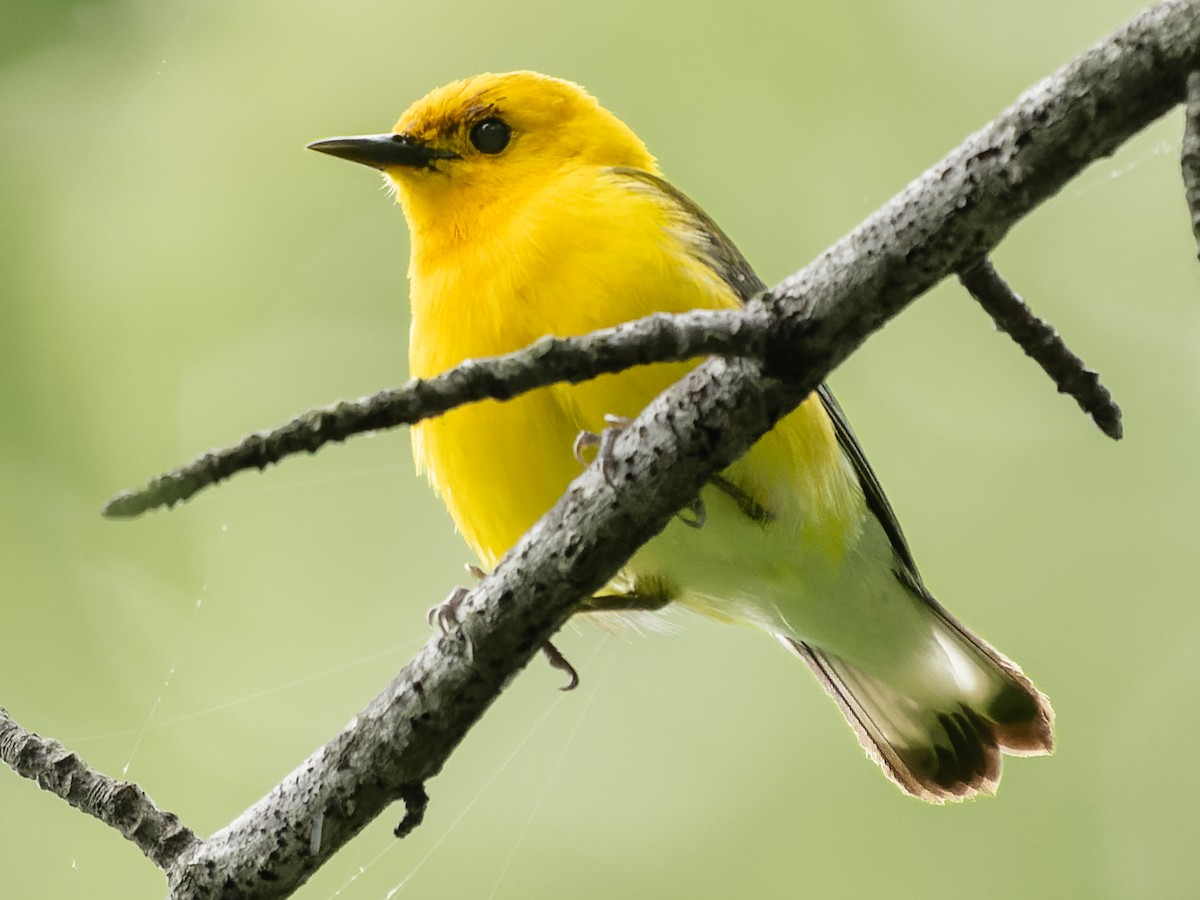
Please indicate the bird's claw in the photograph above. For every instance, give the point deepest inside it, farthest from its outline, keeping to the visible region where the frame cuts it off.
(445, 614)
(558, 661)
(699, 515)
(584, 441)
(604, 443)
(445, 618)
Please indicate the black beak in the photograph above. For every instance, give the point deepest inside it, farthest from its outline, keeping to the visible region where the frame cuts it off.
(382, 151)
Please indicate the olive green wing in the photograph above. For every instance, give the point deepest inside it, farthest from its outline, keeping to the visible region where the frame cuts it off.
(713, 247)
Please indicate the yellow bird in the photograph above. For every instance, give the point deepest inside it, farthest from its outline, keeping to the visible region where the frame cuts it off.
(535, 211)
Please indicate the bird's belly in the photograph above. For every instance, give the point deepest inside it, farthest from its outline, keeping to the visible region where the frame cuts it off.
(769, 575)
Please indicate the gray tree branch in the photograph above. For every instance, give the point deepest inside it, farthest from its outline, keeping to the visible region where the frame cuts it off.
(1043, 344)
(119, 804)
(944, 222)
(656, 338)
(1189, 157)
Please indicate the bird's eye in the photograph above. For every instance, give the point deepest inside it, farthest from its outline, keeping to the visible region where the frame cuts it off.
(490, 135)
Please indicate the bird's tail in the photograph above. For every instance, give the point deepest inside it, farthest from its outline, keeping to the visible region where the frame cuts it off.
(948, 747)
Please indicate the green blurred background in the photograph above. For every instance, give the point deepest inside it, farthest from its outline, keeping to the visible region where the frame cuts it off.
(177, 271)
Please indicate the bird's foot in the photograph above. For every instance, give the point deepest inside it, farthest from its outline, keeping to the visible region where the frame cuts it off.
(558, 661)
(604, 442)
(699, 515)
(445, 618)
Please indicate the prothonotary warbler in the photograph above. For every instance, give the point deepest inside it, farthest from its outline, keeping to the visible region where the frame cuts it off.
(535, 211)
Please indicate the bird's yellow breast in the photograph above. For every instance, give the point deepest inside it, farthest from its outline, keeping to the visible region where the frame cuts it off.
(584, 251)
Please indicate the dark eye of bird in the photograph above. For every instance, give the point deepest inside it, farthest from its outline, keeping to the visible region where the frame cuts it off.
(490, 135)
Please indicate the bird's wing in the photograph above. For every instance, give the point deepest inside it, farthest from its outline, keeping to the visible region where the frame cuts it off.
(877, 501)
(712, 247)
(959, 753)
(715, 250)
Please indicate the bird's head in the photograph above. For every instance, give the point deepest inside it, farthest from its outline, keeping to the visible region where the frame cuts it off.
(490, 139)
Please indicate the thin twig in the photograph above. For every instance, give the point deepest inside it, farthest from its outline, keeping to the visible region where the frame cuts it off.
(416, 802)
(119, 804)
(1042, 344)
(655, 338)
(1189, 158)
